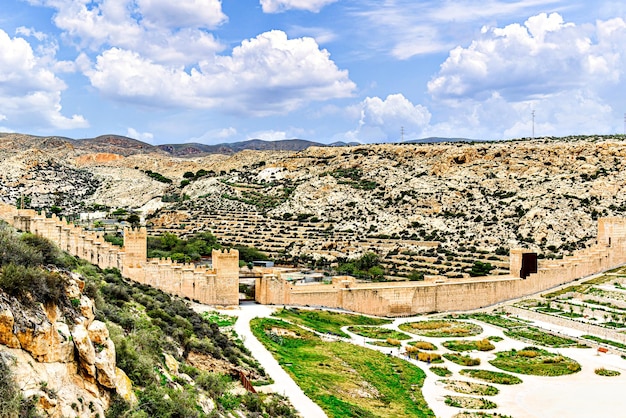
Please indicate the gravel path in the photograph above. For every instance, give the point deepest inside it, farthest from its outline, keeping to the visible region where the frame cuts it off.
(283, 383)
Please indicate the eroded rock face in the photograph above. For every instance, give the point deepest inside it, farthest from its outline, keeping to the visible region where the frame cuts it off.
(61, 354)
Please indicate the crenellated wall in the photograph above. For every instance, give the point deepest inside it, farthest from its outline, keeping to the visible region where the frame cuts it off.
(215, 286)
(410, 298)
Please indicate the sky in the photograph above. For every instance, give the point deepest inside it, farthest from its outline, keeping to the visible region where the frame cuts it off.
(212, 71)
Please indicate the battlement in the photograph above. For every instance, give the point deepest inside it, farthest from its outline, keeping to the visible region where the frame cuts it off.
(219, 285)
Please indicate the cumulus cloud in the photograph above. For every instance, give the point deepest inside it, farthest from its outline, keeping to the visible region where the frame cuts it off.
(164, 31)
(385, 119)
(520, 61)
(278, 6)
(142, 136)
(570, 74)
(265, 75)
(30, 93)
(190, 13)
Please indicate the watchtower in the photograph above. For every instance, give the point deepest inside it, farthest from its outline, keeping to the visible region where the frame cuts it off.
(226, 266)
(135, 246)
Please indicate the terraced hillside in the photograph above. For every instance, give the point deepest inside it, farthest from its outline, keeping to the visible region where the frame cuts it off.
(476, 200)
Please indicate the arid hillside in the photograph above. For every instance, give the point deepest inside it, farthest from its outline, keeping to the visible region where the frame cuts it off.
(544, 193)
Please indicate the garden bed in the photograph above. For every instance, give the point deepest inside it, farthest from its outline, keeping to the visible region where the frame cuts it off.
(492, 377)
(535, 361)
(442, 328)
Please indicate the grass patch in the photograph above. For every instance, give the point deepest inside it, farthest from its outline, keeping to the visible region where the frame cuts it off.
(422, 345)
(538, 336)
(327, 321)
(387, 343)
(498, 320)
(470, 388)
(442, 328)
(535, 361)
(495, 338)
(378, 333)
(344, 379)
(469, 345)
(441, 371)
(492, 377)
(603, 341)
(469, 402)
(219, 319)
(480, 414)
(606, 372)
(463, 360)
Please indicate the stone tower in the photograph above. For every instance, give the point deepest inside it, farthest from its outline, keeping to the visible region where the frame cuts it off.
(135, 247)
(226, 266)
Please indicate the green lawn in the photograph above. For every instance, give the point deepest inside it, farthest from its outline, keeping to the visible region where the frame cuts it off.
(327, 321)
(442, 328)
(344, 379)
(492, 377)
(378, 333)
(535, 361)
(469, 345)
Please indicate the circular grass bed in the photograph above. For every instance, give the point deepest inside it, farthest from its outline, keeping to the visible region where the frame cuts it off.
(470, 388)
(392, 343)
(378, 333)
(469, 402)
(423, 345)
(441, 371)
(463, 360)
(606, 372)
(492, 377)
(442, 328)
(535, 361)
(469, 345)
(479, 414)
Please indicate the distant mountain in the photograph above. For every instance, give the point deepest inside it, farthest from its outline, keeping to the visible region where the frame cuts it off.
(187, 150)
(116, 144)
(437, 139)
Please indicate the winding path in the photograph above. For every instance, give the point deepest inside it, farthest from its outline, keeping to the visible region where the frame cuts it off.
(283, 383)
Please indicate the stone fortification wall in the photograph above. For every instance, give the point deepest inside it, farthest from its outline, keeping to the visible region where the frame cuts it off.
(216, 286)
(409, 298)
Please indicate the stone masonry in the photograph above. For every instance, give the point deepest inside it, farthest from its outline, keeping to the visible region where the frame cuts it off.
(218, 285)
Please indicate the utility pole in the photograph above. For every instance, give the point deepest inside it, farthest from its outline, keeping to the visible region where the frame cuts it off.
(533, 113)
(624, 123)
(402, 131)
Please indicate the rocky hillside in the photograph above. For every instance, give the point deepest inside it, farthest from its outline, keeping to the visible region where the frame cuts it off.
(545, 193)
(80, 342)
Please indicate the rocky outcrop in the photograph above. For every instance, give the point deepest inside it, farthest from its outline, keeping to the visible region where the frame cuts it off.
(61, 354)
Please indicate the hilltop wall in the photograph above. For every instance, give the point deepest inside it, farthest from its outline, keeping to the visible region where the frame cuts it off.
(410, 298)
(216, 286)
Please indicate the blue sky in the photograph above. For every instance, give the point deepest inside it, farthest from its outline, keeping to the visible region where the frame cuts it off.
(166, 71)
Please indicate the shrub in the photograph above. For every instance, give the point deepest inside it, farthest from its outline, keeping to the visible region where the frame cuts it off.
(394, 342)
(441, 371)
(606, 372)
(423, 345)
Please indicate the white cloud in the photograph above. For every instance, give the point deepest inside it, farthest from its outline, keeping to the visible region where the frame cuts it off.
(522, 62)
(407, 28)
(189, 13)
(265, 75)
(385, 119)
(321, 35)
(30, 92)
(270, 135)
(278, 6)
(572, 75)
(162, 30)
(142, 136)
